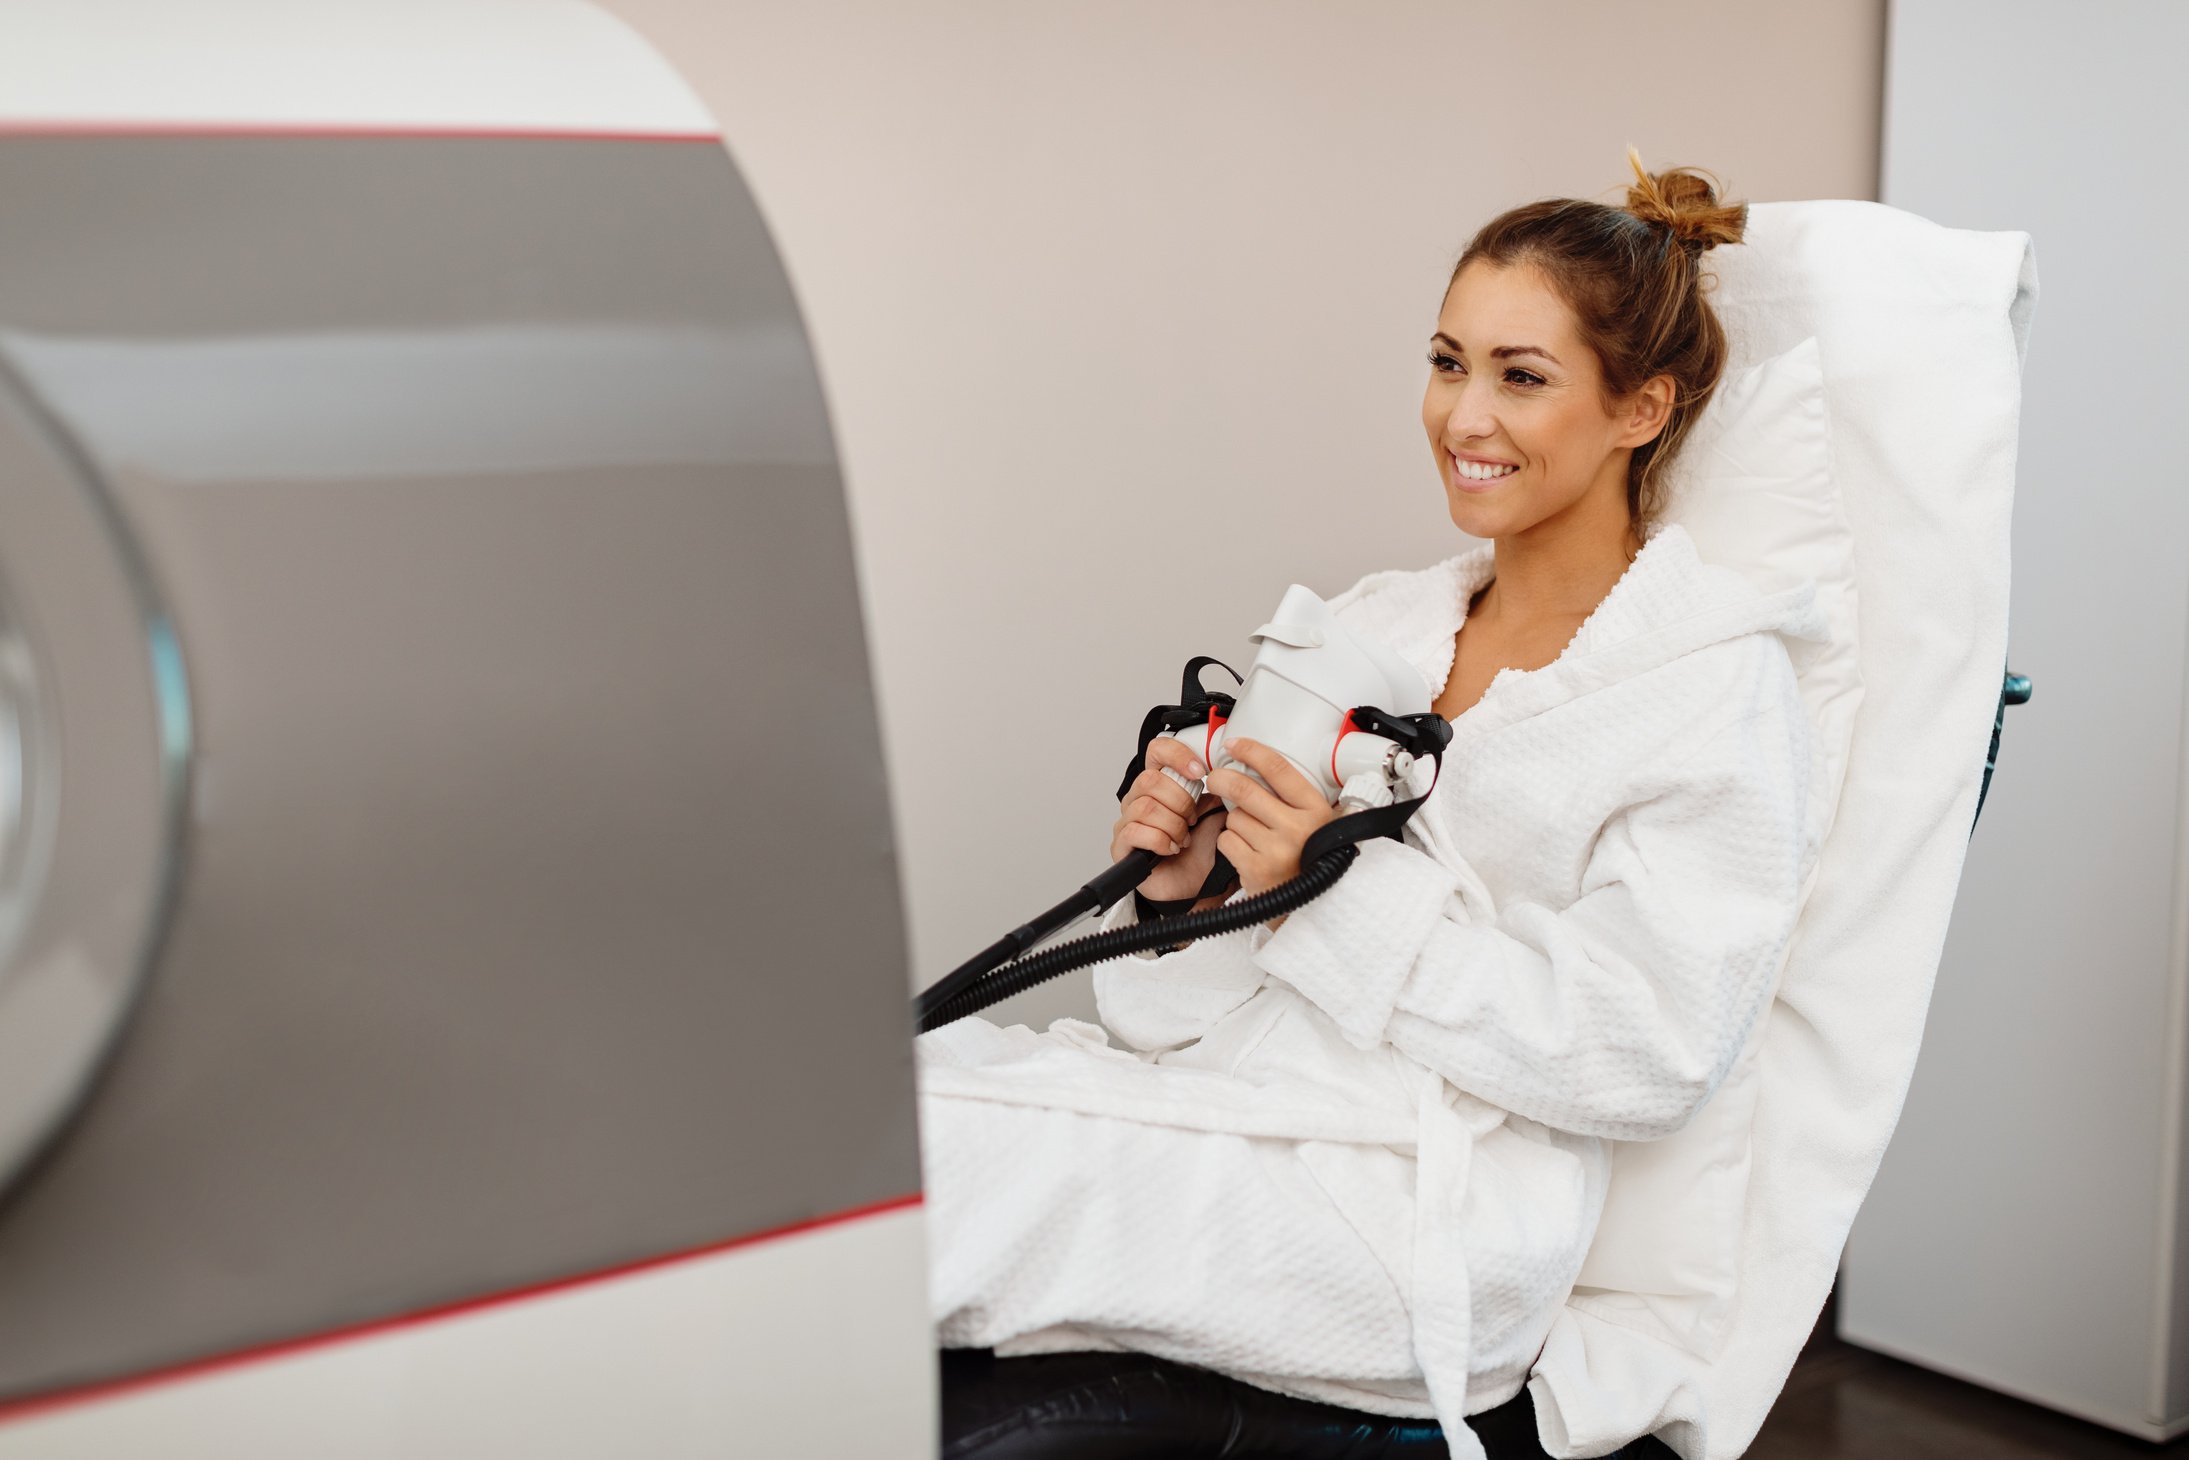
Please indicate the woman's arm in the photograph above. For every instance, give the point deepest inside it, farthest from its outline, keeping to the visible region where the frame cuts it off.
(1617, 1016)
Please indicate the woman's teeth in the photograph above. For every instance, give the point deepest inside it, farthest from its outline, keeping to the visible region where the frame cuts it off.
(1476, 471)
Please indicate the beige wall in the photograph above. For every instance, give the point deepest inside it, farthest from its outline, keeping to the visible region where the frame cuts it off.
(1121, 311)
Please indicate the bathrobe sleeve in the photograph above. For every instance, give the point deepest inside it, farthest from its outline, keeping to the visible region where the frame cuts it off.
(1156, 1002)
(1615, 1016)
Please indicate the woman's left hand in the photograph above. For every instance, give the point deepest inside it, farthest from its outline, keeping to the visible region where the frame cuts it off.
(1268, 824)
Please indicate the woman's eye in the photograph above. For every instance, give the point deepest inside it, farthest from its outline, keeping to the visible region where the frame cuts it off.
(1443, 362)
(1519, 376)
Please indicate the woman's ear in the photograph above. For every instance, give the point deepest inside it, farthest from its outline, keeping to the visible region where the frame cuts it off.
(1647, 410)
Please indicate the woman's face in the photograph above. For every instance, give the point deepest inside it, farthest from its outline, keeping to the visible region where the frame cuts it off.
(1515, 411)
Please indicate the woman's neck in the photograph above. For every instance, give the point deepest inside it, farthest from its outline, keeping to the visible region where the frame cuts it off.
(1560, 569)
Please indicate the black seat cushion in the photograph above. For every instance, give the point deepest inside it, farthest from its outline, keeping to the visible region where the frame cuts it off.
(1099, 1406)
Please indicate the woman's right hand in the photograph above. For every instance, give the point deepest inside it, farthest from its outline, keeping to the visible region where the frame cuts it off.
(1160, 816)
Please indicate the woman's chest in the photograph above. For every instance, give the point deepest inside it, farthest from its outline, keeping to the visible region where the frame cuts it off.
(1480, 651)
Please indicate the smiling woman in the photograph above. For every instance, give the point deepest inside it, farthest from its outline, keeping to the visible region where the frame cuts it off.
(1573, 350)
(1360, 1157)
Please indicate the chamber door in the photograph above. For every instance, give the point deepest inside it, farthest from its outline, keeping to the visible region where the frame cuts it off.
(94, 741)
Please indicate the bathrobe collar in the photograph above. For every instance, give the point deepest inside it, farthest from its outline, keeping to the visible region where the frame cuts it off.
(1667, 604)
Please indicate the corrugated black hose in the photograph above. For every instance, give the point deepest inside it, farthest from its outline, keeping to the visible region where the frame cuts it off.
(1005, 967)
(972, 988)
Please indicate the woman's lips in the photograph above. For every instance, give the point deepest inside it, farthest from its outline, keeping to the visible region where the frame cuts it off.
(1466, 483)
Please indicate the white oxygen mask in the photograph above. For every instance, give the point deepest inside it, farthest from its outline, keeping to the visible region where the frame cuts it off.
(1309, 672)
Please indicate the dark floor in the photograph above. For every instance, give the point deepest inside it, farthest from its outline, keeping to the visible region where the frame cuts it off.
(1842, 1401)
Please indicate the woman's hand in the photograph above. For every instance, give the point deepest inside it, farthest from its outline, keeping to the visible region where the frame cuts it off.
(1268, 824)
(1158, 815)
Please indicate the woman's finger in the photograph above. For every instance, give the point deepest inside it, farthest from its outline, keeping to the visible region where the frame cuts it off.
(1180, 757)
(1169, 797)
(1251, 829)
(1283, 776)
(1162, 818)
(1246, 794)
(1153, 783)
(1146, 838)
(1168, 841)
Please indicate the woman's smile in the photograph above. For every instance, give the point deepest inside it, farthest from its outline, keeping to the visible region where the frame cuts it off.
(1471, 473)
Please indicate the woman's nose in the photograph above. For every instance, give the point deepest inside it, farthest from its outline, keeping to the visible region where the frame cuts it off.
(1470, 417)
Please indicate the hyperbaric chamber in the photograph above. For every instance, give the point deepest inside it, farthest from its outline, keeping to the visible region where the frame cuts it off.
(420, 535)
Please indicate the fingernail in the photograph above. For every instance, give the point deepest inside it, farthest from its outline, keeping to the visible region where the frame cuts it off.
(1196, 770)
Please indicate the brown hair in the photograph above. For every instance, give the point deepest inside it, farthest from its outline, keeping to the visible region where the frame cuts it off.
(1633, 278)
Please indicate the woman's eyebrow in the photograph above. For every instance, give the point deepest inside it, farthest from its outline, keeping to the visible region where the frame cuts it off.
(1503, 352)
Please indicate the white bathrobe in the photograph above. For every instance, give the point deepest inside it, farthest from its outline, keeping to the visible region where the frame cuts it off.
(1360, 1159)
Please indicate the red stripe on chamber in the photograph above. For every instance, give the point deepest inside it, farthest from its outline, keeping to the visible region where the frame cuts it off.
(33, 1404)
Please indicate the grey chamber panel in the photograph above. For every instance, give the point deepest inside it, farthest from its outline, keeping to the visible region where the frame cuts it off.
(539, 909)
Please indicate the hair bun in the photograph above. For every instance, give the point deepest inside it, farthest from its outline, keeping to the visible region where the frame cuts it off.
(1685, 200)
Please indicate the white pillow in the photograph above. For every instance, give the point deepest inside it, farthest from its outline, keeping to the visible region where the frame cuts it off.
(1753, 487)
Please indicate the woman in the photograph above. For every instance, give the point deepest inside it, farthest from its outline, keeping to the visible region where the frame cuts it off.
(1358, 1156)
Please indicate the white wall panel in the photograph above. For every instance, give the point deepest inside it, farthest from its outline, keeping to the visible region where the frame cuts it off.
(2023, 1227)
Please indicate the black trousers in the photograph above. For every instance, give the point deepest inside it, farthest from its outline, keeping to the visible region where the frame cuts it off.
(1099, 1406)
